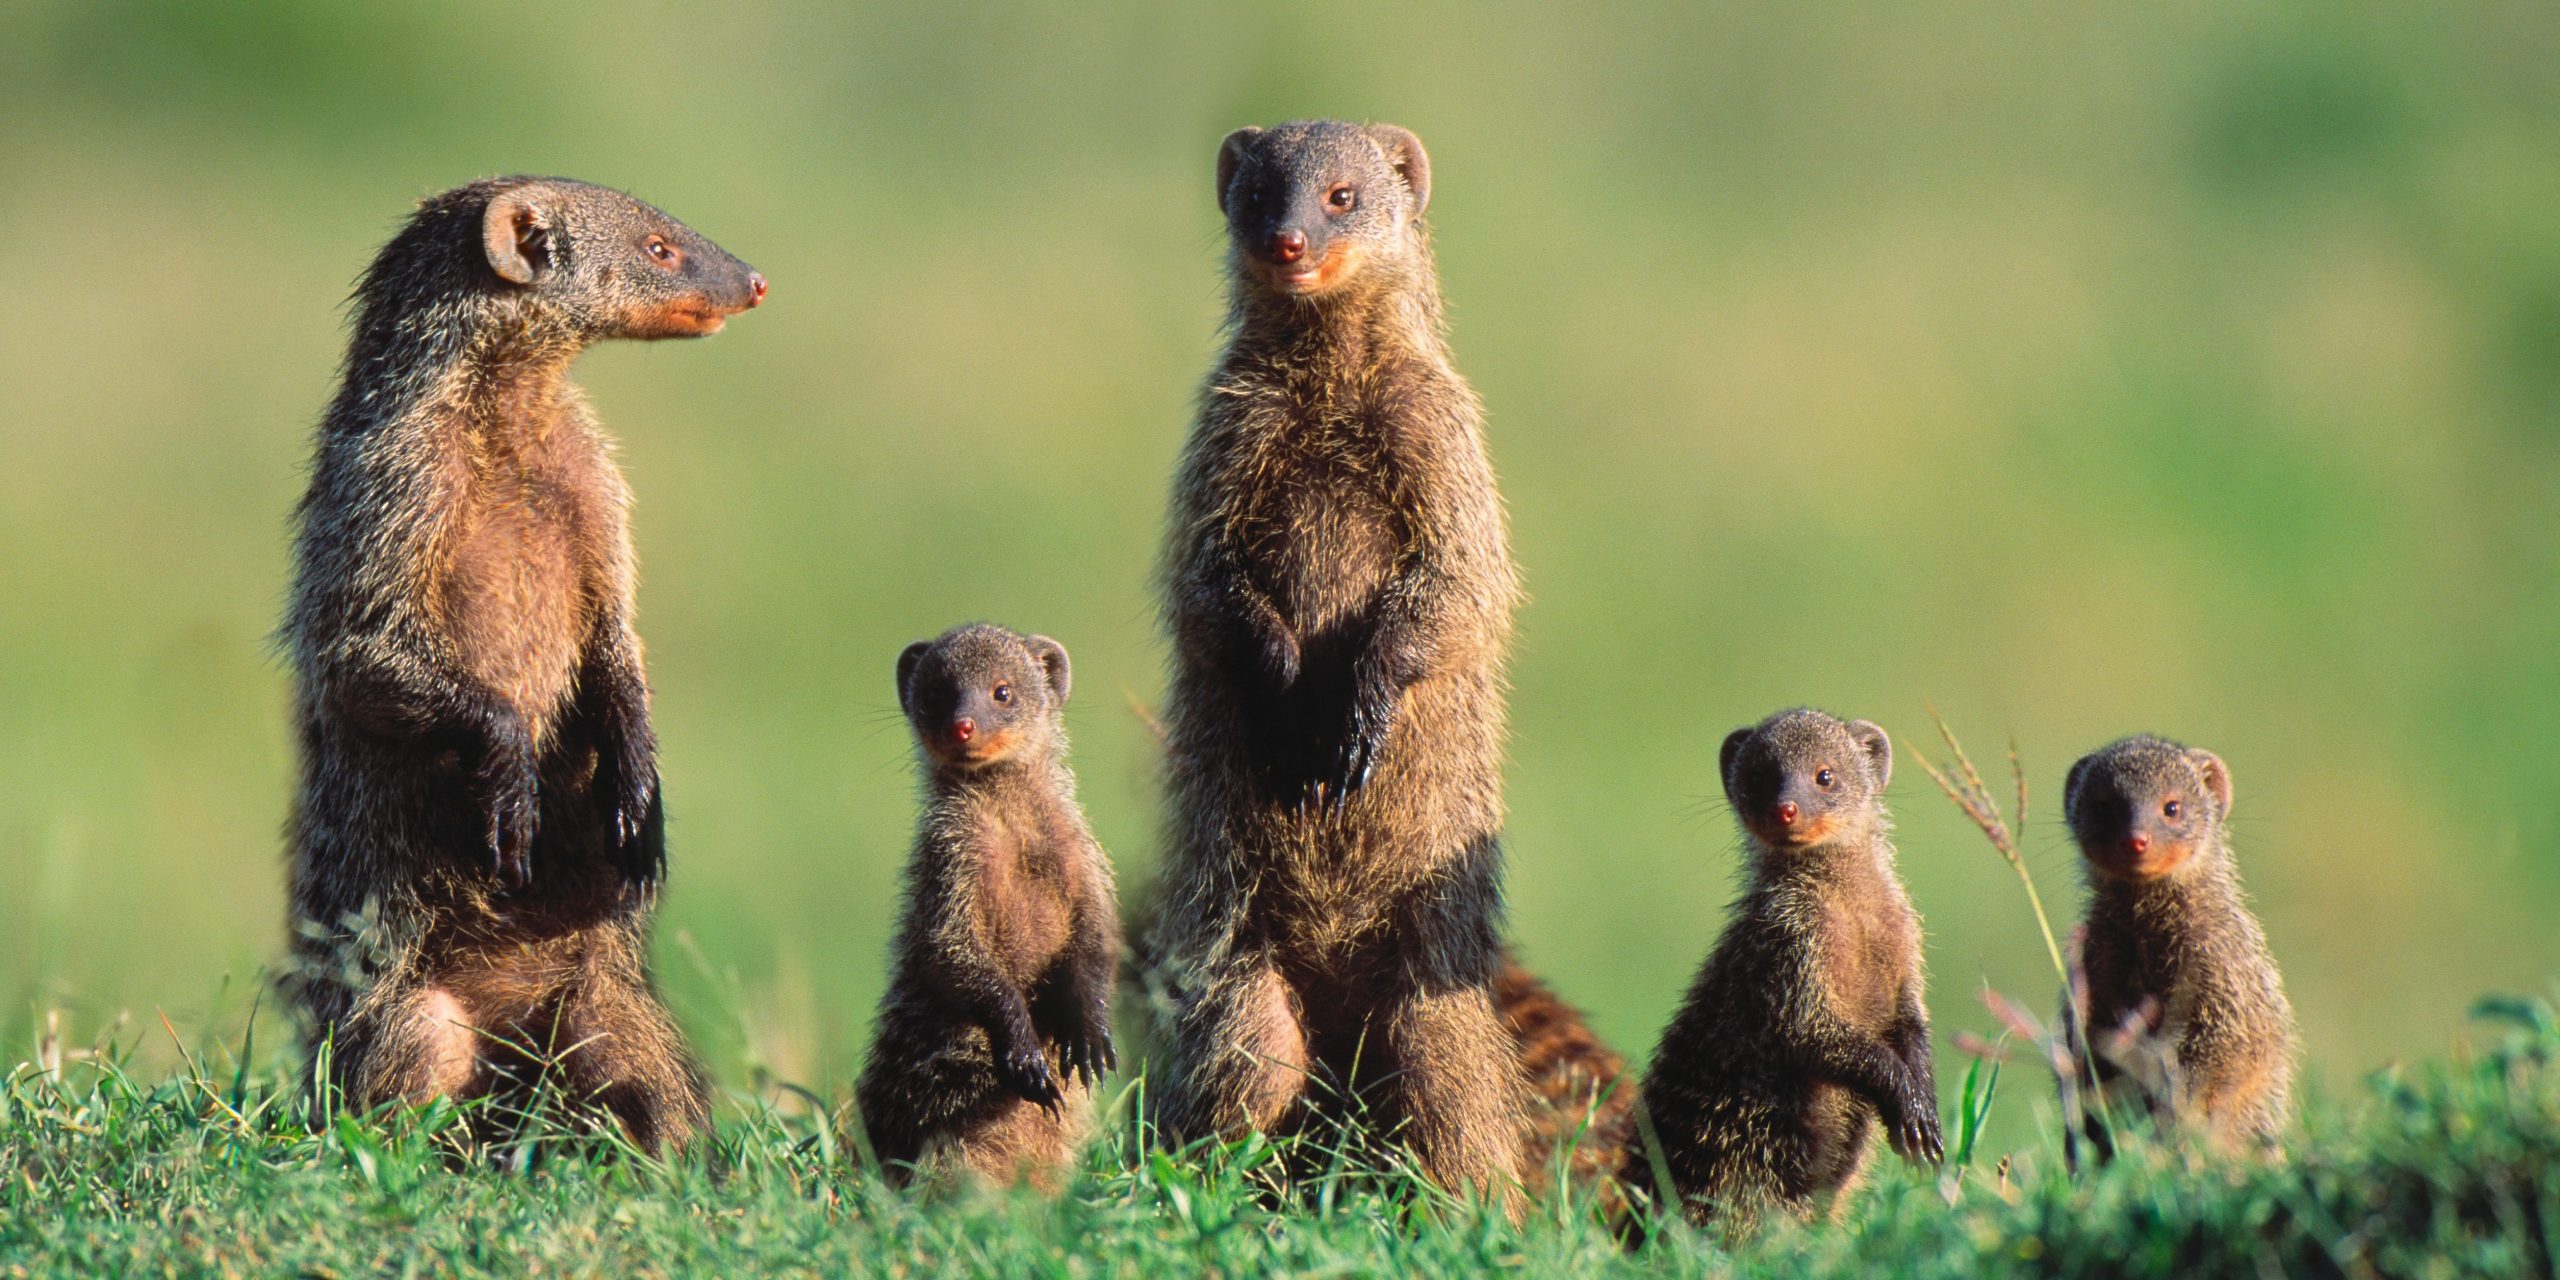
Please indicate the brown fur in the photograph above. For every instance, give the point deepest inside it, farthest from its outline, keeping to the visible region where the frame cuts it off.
(1340, 596)
(1584, 1110)
(478, 833)
(996, 1028)
(2187, 1017)
(1806, 1026)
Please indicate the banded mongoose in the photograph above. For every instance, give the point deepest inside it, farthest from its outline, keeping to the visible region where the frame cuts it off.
(2174, 960)
(1340, 592)
(477, 833)
(1805, 1028)
(996, 1027)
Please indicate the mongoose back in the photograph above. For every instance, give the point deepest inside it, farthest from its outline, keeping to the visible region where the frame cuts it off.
(1805, 1027)
(996, 1027)
(477, 830)
(2171, 951)
(1340, 591)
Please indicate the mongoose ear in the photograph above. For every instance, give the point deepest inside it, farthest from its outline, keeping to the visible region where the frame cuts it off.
(1231, 158)
(1410, 161)
(1724, 759)
(1879, 748)
(907, 661)
(1053, 659)
(2071, 783)
(2217, 777)
(516, 234)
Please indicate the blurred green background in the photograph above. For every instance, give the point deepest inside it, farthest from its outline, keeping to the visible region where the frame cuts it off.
(2192, 368)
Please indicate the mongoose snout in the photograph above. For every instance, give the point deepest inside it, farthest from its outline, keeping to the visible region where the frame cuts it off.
(974, 716)
(1301, 199)
(2143, 823)
(1803, 797)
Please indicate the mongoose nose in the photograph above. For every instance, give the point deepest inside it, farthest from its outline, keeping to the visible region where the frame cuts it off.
(963, 729)
(755, 287)
(1289, 246)
(1787, 813)
(2137, 843)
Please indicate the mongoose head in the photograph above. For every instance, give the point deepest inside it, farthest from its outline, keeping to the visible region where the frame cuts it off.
(1315, 206)
(1802, 778)
(981, 695)
(608, 265)
(2142, 808)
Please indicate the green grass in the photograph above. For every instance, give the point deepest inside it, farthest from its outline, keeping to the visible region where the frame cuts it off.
(2447, 1169)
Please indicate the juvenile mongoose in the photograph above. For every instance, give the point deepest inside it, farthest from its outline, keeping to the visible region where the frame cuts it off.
(2171, 951)
(1805, 1027)
(477, 834)
(1340, 592)
(996, 1027)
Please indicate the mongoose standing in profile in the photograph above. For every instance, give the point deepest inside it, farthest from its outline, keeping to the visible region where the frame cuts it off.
(1805, 1027)
(2171, 951)
(477, 834)
(1340, 592)
(996, 1027)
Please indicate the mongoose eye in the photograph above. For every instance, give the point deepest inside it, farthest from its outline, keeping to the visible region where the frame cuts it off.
(2171, 809)
(1822, 777)
(1342, 197)
(666, 254)
(1001, 693)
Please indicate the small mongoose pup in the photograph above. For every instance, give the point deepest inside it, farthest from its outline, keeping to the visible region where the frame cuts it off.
(1805, 1027)
(2171, 952)
(996, 1027)
(477, 833)
(1339, 591)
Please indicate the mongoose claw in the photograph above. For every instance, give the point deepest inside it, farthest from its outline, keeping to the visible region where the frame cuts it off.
(1087, 1056)
(1363, 743)
(510, 834)
(1026, 1070)
(1915, 1136)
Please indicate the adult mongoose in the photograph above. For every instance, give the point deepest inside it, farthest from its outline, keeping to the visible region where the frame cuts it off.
(1339, 592)
(1805, 1026)
(2186, 1017)
(996, 1027)
(477, 833)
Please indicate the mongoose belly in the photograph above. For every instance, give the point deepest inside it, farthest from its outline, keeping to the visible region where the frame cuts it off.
(1024, 912)
(519, 601)
(1327, 547)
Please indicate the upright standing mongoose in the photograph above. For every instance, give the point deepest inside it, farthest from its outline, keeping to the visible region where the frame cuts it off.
(1805, 1027)
(477, 834)
(2171, 952)
(1340, 596)
(996, 1027)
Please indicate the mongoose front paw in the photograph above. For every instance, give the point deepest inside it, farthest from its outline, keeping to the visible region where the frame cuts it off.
(507, 807)
(627, 786)
(1914, 1134)
(1364, 743)
(1086, 1051)
(1280, 655)
(1025, 1070)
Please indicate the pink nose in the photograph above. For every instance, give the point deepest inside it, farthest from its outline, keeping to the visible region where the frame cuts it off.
(1289, 246)
(963, 729)
(755, 286)
(2137, 843)
(1787, 813)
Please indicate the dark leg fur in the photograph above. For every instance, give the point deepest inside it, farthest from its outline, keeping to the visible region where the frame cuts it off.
(617, 1049)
